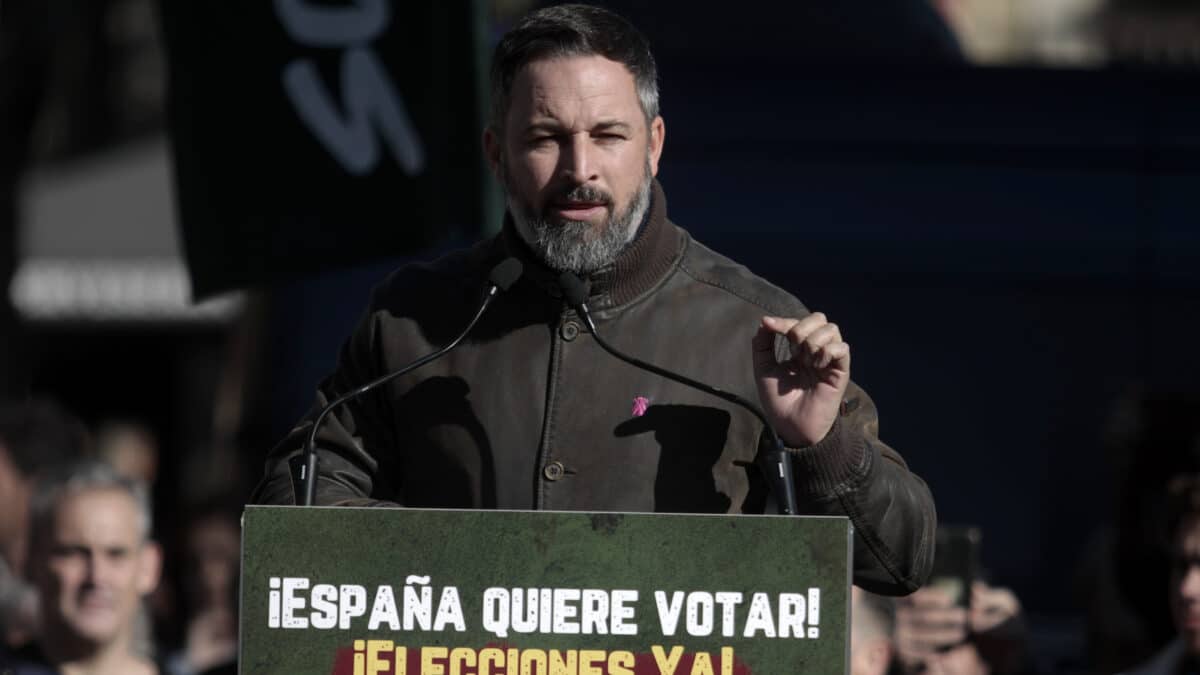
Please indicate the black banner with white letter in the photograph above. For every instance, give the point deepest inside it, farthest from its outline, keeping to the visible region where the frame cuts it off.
(311, 135)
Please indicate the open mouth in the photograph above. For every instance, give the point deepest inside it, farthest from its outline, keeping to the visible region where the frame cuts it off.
(578, 210)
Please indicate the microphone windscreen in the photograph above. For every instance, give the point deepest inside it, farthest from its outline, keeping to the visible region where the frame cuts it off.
(574, 290)
(505, 274)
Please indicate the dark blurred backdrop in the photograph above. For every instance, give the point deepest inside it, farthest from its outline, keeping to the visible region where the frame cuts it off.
(995, 200)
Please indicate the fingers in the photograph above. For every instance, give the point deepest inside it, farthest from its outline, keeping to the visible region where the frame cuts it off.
(991, 607)
(931, 629)
(819, 342)
(994, 599)
(795, 329)
(763, 352)
(928, 597)
(929, 621)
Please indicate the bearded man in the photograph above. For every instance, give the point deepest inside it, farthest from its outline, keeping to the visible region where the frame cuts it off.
(530, 412)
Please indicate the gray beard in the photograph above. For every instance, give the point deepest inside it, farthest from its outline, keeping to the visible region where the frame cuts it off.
(572, 245)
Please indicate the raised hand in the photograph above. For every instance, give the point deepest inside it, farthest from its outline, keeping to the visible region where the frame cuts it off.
(803, 395)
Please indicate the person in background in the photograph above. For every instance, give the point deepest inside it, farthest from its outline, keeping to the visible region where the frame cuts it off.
(92, 561)
(873, 618)
(131, 449)
(1181, 656)
(35, 436)
(934, 636)
(1150, 438)
(212, 556)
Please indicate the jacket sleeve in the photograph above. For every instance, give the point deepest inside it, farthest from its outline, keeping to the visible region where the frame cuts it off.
(852, 473)
(348, 473)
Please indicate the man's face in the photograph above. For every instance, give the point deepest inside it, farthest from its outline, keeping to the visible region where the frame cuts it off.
(576, 158)
(213, 550)
(1185, 583)
(94, 567)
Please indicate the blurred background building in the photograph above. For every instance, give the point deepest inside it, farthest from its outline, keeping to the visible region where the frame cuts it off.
(1076, 33)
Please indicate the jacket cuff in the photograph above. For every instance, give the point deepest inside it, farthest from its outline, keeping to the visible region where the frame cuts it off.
(839, 460)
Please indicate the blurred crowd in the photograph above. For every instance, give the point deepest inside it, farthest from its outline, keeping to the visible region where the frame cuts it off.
(931, 631)
(1137, 584)
(88, 584)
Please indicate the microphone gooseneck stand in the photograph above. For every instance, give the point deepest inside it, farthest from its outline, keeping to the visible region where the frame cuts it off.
(502, 277)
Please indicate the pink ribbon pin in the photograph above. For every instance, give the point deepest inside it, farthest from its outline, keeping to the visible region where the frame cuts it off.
(640, 403)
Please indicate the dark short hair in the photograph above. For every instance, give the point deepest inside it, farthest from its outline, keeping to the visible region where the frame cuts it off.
(572, 30)
(39, 435)
(1183, 503)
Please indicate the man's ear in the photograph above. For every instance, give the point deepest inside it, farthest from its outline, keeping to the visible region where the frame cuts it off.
(658, 134)
(492, 151)
(149, 567)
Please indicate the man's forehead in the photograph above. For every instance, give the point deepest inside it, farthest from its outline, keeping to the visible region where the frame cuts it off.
(99, 513)
(557, 86)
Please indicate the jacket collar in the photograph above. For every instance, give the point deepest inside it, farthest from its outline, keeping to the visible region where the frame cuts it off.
(638, 268)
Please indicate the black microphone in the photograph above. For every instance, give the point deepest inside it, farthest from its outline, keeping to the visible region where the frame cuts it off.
(502, 277)
(775, 461)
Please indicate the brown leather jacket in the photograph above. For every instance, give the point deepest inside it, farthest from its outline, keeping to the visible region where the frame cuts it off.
(530, 413)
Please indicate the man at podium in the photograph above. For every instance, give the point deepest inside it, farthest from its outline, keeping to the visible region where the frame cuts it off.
(536, 408)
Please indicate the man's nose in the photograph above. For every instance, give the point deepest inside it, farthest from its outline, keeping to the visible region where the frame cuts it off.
(91, 570)
(577, 160)
(1189, 586)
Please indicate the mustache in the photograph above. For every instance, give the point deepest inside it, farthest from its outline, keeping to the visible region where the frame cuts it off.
(584, 193)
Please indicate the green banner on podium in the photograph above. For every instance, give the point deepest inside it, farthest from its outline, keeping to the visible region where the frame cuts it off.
(349, 591)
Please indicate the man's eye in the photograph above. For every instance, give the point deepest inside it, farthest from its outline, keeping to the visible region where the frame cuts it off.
(609, 137)
(1183, 564)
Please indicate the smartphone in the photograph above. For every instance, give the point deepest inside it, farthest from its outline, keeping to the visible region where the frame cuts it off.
(956, 561)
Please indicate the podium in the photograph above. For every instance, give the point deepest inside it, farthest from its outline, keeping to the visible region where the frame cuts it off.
(373, 591)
